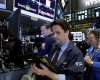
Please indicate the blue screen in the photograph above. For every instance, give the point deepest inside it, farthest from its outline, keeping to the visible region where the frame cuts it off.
(45, 8)
(3, 4)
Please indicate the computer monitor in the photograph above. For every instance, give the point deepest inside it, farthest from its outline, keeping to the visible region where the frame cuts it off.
(40, 9)
(14, 44)
(3, 4)
(14, 24)
(77, 36)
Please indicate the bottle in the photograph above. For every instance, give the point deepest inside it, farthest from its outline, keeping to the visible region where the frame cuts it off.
(35, 50)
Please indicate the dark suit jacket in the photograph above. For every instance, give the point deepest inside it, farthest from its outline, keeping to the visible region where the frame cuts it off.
(71, 63)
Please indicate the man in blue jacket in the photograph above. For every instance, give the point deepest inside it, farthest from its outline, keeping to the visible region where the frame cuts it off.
(69, 61)
(92, 57)
(49, 41)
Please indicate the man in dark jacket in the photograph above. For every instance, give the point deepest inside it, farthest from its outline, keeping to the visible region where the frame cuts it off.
(70, 61)
(48, 42)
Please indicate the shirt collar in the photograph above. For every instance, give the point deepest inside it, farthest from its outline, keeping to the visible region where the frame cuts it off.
(64, 46)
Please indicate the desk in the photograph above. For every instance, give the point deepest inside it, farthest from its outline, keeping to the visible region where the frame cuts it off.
(15, 75)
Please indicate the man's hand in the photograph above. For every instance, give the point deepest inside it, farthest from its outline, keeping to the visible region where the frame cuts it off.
(44, 71)
(88, 60)
(39, 71)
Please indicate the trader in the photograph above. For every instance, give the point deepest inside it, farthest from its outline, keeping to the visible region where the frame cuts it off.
(70, 61)
(47, 43)
(92, 57)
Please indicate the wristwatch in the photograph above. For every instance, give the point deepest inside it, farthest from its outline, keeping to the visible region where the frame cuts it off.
(92, 63)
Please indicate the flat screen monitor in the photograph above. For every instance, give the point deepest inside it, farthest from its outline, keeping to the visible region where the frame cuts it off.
(14, 24)
(77, 36)
(14, 44)
(42, 9)
(3, 4)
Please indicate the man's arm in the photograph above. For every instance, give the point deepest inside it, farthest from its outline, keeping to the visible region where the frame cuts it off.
(94, 64)
(75, 69)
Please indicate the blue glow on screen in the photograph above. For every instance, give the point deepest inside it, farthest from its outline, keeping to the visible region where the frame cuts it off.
(44, 9)
(3, 4)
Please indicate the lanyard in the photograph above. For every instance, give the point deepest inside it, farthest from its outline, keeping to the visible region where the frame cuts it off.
(94, 52)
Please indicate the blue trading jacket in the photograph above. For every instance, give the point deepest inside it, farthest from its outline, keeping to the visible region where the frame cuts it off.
(95, 72)
(47, 45)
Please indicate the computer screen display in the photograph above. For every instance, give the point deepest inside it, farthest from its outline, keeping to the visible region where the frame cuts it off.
(14, 24)
(14, 44)
(77, 36)
(3, 4)
(43, 9)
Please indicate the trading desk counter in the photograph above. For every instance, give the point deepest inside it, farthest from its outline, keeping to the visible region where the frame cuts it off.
(14, 75)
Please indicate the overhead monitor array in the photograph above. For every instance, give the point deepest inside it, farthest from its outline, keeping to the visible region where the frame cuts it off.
(43, 9)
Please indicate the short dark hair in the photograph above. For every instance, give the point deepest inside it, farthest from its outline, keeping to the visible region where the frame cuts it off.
(96, 34)
(47, 26)
(63, 23)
